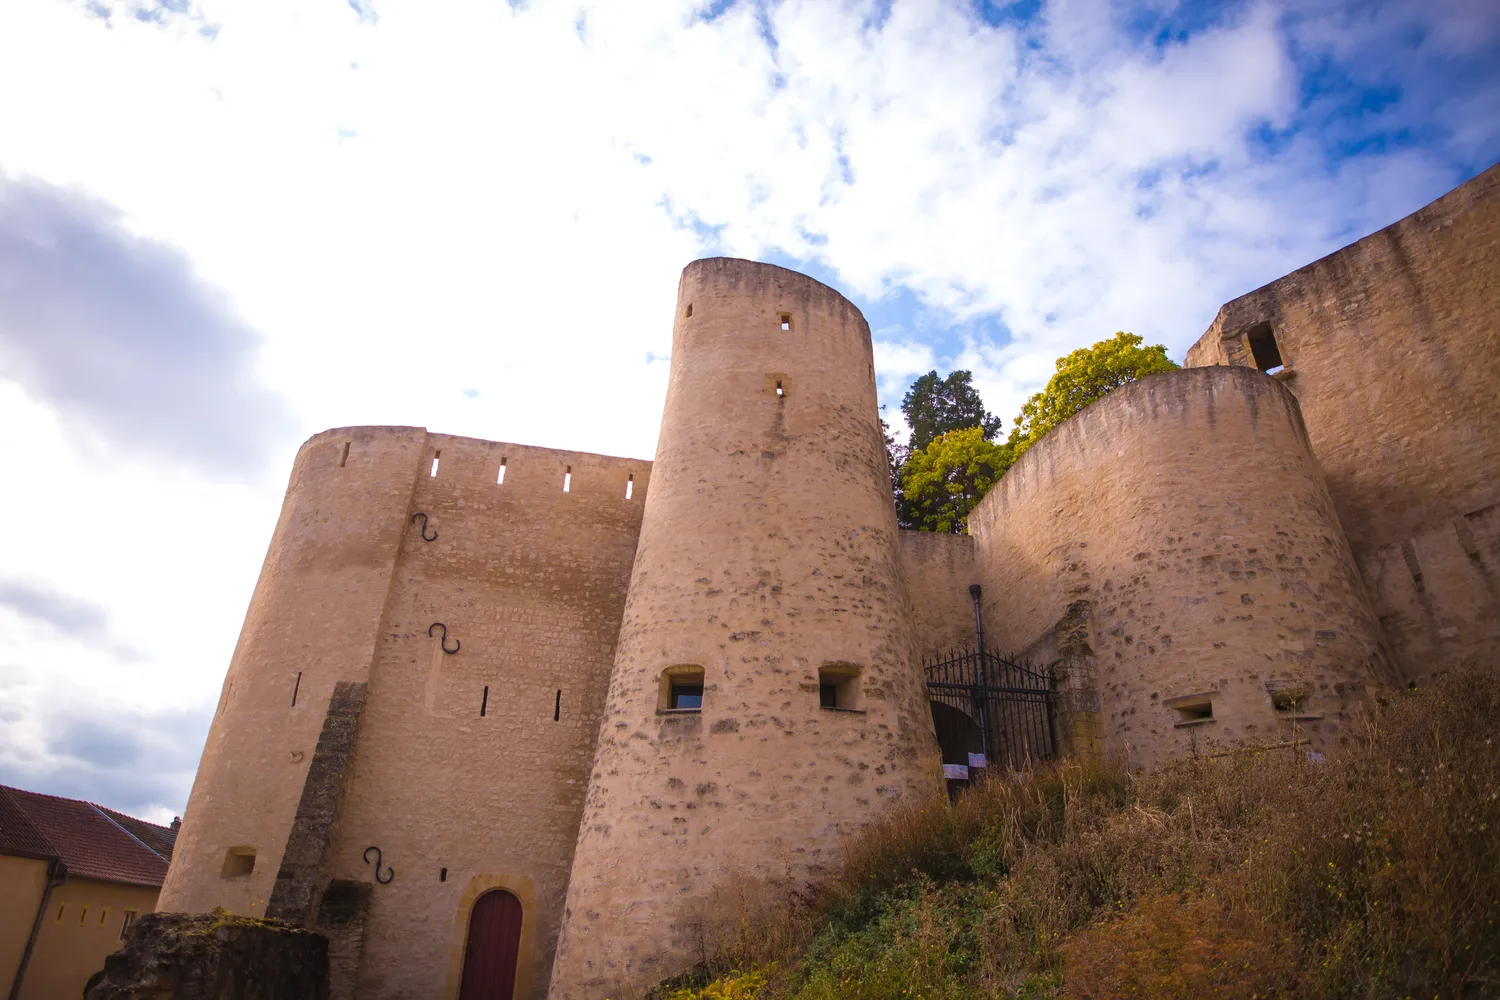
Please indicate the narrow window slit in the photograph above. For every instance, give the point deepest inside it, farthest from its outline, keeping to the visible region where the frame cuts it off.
(568, 480)
(780, 392)
(297, 686)
(345, 457)
(500, 479)
(436, 456)
(442, 874)
(689, 311)
(484, 701)
(629, 485)
(557, 706)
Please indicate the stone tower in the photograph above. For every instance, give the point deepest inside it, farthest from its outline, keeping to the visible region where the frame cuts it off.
(763, 700)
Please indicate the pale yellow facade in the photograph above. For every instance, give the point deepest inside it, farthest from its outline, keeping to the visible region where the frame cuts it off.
(82, 924)
(460, 669)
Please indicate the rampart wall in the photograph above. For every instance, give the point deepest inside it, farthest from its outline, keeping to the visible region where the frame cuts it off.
(768, 560)
(1392, 347)
(939, 568)
(470, 767)
(1188, 510)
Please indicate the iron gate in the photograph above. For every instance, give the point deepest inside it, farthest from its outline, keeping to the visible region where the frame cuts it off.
(985, 704)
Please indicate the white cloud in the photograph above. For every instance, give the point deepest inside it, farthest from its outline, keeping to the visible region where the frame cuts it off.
(471, 215)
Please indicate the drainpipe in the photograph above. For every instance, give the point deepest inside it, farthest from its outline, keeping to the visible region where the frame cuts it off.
(57, 874)
(978, 620)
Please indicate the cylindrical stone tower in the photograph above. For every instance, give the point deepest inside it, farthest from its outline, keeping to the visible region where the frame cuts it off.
(763, 697)
(1222, 602)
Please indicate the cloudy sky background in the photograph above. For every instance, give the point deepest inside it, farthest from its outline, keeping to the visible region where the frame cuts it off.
(226, 226)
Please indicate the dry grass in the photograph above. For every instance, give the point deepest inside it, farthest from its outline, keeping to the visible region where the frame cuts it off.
(1372, 874)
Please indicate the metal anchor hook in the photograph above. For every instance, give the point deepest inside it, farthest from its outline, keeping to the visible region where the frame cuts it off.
(444, 641)
(425, 536)
(390, 872)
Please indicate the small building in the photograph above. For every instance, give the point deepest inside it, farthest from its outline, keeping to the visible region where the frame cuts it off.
(73, 875)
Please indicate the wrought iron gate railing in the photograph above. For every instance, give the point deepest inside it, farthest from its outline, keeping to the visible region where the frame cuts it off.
(985, 704)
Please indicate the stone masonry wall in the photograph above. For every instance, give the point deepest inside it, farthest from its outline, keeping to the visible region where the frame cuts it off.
(768, 552)
(529, 580)
(939, 568)
(1188, 510)
(1392, 347)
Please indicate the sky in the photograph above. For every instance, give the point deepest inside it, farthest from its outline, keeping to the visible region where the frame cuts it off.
(226, 226)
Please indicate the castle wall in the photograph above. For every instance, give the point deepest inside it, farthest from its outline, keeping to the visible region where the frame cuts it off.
(1392, 347)
(768, 551)
(939, 568)
(314, 620)
(530, 582)
(1188, 509)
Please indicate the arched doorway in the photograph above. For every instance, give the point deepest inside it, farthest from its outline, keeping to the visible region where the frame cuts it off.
(494, 947)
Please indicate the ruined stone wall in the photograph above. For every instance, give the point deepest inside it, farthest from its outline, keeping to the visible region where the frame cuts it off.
(529, 581)
(768, 551)
(1392, 347)
(1188, 509)
(939, 568)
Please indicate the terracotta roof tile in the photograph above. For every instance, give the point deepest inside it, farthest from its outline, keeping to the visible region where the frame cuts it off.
(17, 834)
(94, 842)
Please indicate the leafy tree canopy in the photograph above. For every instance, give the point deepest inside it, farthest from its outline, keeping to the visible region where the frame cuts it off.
(935, 406)
(1083, 376)
(945, 480)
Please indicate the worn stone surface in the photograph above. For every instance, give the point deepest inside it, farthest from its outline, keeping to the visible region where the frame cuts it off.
(939, 568)
(300, 878)
(769, 550)
(1392, 347)
(179, 956)
(1189, 510)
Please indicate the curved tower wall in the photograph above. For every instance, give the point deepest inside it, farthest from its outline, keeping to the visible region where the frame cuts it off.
(1189, 511)
(768, 550)
(313, 621)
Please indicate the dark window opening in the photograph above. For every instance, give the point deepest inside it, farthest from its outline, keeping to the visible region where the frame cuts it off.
(686, 696)
(484, 701)
(297, 686)
(690, 309)
(442, 874)
(557, 706)
(1264, 349)
(828, 695)
(342, 460)
(838, 686)
(786, 321)
(1195, 708)
(1292, 699)
(125, 923)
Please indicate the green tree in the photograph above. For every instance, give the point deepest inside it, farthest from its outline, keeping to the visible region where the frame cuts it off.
(935, 406)
(943, 481)
(1083, 376)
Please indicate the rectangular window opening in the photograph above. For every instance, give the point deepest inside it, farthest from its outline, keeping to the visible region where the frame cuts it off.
(687, 696)
(239, 862)
(786, 322)
(1264, 350)
(297, 686)
(125, 922)
(689, 313)
(484, 701)
(500, 479)
(345, 457)
(681, 688)
(630, 486)
(568, 480)
(780, 392)
(442, 874)
(436, 457)
(838, 687)
(1290, 700)
(1193, 709)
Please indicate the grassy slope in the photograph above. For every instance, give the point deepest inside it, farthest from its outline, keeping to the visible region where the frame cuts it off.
(1374, 873)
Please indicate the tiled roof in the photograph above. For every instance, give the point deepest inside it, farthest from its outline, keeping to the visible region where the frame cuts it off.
(91, 841)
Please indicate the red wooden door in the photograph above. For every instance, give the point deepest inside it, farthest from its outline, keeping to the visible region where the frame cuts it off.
(494, 948)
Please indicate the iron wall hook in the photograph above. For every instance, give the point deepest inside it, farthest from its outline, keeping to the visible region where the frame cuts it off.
(390, 872)
(444, 641)
(425, 536)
